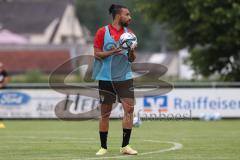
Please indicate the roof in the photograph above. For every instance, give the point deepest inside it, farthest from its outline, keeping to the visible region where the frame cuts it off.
(7, 37)
(43, 60)
(30, 16)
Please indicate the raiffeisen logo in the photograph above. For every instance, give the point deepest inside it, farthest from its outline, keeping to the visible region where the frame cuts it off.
(13, 98)
(160, 102)
(206, 103)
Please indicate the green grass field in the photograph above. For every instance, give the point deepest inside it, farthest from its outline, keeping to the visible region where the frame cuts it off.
(68, 140)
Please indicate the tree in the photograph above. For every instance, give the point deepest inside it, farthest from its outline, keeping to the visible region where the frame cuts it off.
(209, 28)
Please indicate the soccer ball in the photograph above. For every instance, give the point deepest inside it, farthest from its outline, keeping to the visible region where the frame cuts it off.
(137, 121)
(210, 116)
(128, 40)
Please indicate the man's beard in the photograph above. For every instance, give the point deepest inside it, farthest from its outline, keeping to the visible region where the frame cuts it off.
(124, 24)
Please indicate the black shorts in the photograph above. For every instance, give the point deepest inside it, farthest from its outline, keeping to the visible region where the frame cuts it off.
(109, 90)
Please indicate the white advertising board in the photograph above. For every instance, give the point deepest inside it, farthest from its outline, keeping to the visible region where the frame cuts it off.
(179, 103)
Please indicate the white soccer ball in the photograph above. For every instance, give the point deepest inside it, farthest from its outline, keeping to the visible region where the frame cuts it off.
(210, 116)
(128, 41)
(217, 116)
(137, 121)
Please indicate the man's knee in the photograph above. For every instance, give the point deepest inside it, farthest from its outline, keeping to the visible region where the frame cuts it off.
(129, 109)
(106, 115)
(106, 111)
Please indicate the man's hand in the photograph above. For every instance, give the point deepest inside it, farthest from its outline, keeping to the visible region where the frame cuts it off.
(133, 45)
(98, 53)
(131, 55)
(116, 50)
(131, 52)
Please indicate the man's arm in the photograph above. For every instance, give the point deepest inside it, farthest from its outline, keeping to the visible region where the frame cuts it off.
(98, 53)
(98, 45)
(131, 55)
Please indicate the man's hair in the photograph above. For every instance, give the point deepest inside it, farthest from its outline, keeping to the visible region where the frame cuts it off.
(115, 9)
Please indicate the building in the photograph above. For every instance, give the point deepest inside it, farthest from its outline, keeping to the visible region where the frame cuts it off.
(26, 59)
(173, 61)
(40, 35)
(40, 22)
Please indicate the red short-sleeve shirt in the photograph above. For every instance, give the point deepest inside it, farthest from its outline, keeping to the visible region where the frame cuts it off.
(99, 37)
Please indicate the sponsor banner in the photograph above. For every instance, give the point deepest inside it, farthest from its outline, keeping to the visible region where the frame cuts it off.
(179, 103)
(28, 103)
(192, 103)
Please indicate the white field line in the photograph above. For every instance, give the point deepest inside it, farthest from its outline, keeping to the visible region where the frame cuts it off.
(176, 146)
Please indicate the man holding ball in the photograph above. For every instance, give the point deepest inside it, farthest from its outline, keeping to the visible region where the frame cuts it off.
(112, 69)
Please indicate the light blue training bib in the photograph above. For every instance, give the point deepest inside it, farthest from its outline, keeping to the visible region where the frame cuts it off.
(115, 67)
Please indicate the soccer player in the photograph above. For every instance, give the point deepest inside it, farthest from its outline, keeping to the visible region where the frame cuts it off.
(112, 69)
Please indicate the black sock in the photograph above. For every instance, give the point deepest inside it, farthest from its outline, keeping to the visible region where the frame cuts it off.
(126, 136)
(103, 138)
